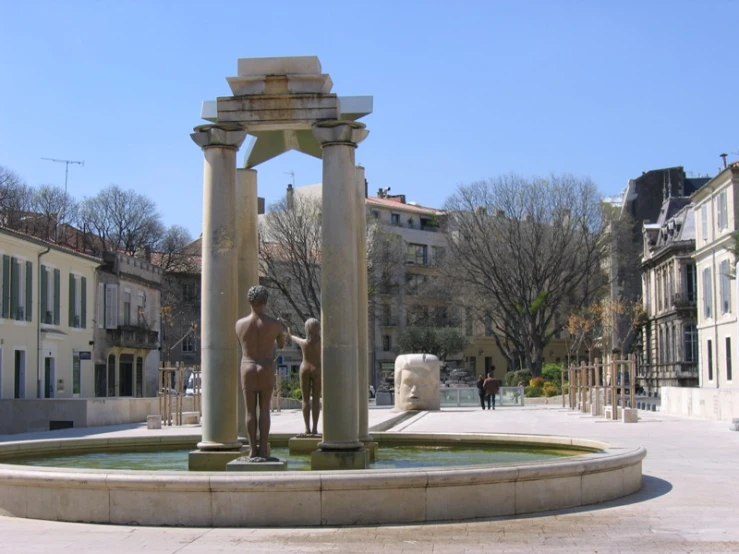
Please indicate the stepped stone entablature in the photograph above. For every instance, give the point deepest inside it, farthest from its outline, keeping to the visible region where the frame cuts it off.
(277, 101)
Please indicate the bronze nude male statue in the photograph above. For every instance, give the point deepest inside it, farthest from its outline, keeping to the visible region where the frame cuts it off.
(257, 334)
(310, 374)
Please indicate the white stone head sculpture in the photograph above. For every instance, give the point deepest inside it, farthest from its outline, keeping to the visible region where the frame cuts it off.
(417, 382)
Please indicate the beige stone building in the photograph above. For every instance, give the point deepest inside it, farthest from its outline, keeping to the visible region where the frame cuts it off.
(47, 319)
(716, 221)
(670, 336)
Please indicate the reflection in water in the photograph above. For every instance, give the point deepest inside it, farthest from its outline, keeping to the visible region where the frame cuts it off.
(388, 457)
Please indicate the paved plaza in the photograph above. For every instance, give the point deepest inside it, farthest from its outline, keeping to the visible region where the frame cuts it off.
(689, 501)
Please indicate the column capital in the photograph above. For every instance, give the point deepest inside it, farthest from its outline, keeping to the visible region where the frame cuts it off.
(219, 136)
(332, 132)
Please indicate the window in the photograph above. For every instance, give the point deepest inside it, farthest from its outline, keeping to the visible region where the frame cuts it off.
(101, 387)
(690, 344)
(140, 309)
(659, 292)
(20, 374)
(77, 301)
(395, 219)
(189, 294)
(50, 295)
(413, 282)
(126, 307)
(690, 283)
(704, 221)
(722, 212)
(376, 214)
(107, 306)
(386, 343)
(710, 361)
(439, 254)
(675, 348)
(111, 375)
(488, 325)
(724, 287)
(707, 301)
(17, 294)
(728, 359)
(416, 254)
(667, 345)
(188, 343)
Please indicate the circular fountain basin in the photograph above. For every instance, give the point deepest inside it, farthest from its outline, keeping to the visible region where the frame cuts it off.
(599, 472)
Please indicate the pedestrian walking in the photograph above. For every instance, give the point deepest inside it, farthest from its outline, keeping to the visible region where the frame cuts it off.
(491, 388)
(481, 390)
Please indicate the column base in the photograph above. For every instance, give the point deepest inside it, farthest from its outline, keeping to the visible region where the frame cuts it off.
(302, 445)
(216, 446)
(243, 464)
(216, 460)
(371, 447)
(322, 460)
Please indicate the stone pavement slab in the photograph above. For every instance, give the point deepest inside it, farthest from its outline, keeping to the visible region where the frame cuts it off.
(688, 503)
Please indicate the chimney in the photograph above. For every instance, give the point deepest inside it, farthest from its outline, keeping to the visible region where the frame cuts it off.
(260, 205)
(499, 213)
(566, 216)
(481, 211)
(380, 193)
(290, 197)
(724, 157)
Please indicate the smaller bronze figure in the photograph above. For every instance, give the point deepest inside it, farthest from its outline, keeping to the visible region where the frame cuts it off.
(310, 374)
(257, 334)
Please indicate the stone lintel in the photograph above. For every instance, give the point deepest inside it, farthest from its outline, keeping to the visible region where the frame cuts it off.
(323, 460)
(286, 65)
(243, 464)
(301, 445)
(277, 112)
(280, 84)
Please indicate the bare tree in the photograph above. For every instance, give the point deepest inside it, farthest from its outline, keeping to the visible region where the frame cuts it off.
(526, 249)
(51, 207)
(290, 258)
(16, 198)
(174, 250)
(126, 221)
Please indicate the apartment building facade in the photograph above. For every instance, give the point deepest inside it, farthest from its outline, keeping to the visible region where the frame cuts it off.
(46, 319)
(716, 222)
(669, 293)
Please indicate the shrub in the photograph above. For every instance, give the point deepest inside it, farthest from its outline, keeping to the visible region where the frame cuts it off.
(297, 394)
(566, 388)
(552, 372)
(532, 392)
(512, 378)
(550, 389)
(537, 382)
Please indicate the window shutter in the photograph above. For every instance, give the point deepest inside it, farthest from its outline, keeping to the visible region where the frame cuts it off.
(6, 287)
(720, 212)
(71, 300)
(44, 301)
(83, 315)
(29, 291)
(111, 306)
(57, 296)
(14, 287)
(101, 305)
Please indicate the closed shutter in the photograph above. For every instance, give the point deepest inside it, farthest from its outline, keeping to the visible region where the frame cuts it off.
(111, 306)
(101, 305)
(44, 294)
(720, 215)
(57, 296)
(29, 291)
(84, 304)
(71, 300)
(6, 287)
(14, 288)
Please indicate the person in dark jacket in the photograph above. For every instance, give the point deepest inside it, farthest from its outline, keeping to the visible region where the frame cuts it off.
(491, 388)
(481, 391)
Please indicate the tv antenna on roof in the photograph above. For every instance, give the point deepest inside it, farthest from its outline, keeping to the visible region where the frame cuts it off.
(66, 168)
(291, 174)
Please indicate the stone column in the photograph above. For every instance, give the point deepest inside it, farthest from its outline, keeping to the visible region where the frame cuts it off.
(247, 248)
(363, 308)
(340, 447)
(218, 286)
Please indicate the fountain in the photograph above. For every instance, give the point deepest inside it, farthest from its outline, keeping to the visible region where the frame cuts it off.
(283, 104)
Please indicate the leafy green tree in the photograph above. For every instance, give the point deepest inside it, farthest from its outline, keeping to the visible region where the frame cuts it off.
(439, 341)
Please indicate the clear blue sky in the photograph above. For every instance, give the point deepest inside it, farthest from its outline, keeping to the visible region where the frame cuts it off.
(464, 90)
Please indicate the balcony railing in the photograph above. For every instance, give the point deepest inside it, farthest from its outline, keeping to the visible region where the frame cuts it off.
(669, 370)
(132, 336)
(681, 301)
